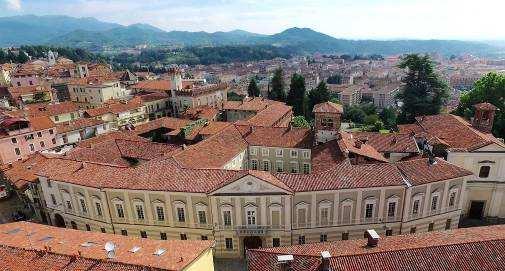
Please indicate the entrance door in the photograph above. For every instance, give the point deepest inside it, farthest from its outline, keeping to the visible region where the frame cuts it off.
(476, 210)
(252, 242)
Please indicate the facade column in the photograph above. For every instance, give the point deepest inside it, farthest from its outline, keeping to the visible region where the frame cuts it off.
(238, 211)
(336, 206)
(263, 210)
(313, 210)
(189, 204)
(215, 212)
(382, 202)
(446, 194)
(170, 209)
(149, 210)
(427, 197)
(359, 200)
(463, 194)
(287, 212)
(406, 204)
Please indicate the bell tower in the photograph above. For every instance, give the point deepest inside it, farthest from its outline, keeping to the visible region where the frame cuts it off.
(327, 121)
(484, 117)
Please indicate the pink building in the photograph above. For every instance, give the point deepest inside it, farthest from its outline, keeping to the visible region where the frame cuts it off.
(20, 137)
(24, 78)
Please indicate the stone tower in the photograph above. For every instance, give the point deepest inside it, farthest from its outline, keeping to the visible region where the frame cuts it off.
(327, 121)
(484, 117)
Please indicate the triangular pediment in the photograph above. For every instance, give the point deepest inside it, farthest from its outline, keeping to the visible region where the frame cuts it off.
(491, 148)
(249, 184)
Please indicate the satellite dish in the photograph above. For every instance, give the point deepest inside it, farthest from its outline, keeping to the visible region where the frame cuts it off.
(110, 247)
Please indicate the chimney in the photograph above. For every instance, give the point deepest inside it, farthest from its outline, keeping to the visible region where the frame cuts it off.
(325, 261)
(373, 238)
(284, 262)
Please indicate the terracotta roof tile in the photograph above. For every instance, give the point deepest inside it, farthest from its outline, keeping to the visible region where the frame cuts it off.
(328, 107)
(389, 143)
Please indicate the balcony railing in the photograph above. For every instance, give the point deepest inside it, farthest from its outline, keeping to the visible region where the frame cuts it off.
(420, 215)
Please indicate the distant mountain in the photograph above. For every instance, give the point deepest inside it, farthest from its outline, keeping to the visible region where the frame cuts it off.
(94, 34)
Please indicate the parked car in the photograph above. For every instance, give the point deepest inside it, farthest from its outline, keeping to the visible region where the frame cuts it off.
(4, 192)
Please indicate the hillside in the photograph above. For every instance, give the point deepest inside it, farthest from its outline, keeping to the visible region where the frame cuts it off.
(93, 34)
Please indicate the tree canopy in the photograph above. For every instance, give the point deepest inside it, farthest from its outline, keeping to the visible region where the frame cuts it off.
(300, 122)
(424, 92)
(296, 95)
(318, 95)
(253, 90)
(491, 89)
(277, 91)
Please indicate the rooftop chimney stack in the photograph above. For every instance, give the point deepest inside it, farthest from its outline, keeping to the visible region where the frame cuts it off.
(284, 262)
(325, 261)
(373, 238)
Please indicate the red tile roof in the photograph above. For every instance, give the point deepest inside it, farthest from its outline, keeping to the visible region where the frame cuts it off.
(485, 106)
(462, 249)
(389, 143)
(452, 130)
(21, 173)
(328, 107)
(420, 171)
(23, 246)
(284, 137)
(153, 85)
(77, 124)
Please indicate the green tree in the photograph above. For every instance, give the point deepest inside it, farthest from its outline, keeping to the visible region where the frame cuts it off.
(296, 95)
(423, 93)
(300, 122)
(388, 117)
(22, 57)
(318, 95)
(253, 90)
(277, 91)
(334, 79)
(354, 114)
(491, 89)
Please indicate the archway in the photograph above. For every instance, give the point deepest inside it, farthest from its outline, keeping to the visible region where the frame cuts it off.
(252, 242)
(59, 221)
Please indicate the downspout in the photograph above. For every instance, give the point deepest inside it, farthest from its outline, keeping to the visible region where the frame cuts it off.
(108, 209)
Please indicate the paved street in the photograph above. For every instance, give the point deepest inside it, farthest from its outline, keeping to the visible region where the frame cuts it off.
(8, 206)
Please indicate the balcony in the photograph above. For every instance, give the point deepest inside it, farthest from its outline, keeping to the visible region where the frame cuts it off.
(251, 230)
(431, 213)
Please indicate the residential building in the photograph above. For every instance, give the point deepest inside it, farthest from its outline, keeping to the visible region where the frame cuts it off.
(75, 131)
(30, 94)
(157, 104)
(57, 112)
(258, 111)
(30, 246)
(120, 113)
(25, 78)
(92, 92)
(470, 146)
(21, 137)
(462, 249)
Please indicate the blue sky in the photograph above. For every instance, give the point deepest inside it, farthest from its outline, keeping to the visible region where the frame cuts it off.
(360, 19)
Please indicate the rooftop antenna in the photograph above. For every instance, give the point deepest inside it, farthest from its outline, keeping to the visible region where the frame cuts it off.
(110, 248)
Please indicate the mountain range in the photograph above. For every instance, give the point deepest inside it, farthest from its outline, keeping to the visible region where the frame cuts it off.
(93, 34)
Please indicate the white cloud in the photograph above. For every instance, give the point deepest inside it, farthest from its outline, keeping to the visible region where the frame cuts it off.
(13, 4)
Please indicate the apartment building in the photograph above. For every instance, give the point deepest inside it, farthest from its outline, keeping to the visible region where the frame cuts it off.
(30, 94)
(120, 113)
(57, 112)
(21, 137)
(92, 92)
(473, 147)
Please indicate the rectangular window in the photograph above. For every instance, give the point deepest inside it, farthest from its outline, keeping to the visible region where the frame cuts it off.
(264, 151)
(306, 168)
(42, 144)
(294, 168)
(279, 166)
(83, 206)
(181, 217)
(14, 140)
(305, 154)
(204, 237)
(391, 209)
(413, 230)
(415, 207)
(163, 236)
(184, 236)
(276, 242)
(345, 236)
(103, 230)
(202, 218)
(369, 210)
(434, 203)
(448, 224)
(51, 131)
(324, 216)
(227, 218)
(278, 152)
(254, 164)
(251, 217)
(484, 171)
(119, 210)
(124, 232)
(301, 216)
(294, 154)
(98, 207)
(32, 147)
(69, 205)
(389, 232)
(301, 239)
(143, 234)
(18, 152)
(266, 165)
(323, 238)
(53, 199)
(39, 134)
(88, 227)
(452, 199)
(229, 243)
(430, 226)
(160, 213)
(140, 211)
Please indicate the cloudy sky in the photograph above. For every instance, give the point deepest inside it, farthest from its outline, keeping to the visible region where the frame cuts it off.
(359, 19)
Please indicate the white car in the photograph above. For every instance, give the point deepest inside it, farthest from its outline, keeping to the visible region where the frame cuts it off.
(4, 193)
